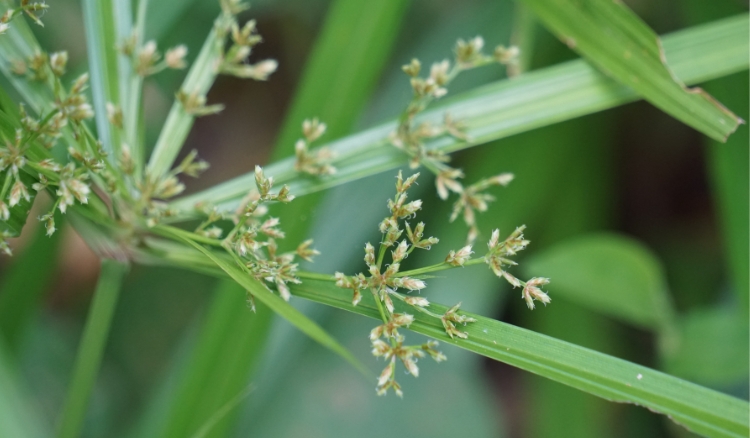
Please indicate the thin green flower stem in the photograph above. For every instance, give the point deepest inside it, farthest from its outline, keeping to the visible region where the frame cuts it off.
(37, 133)
(383, 315)
(169, 231)
(134, 102)
(381, 253)
(89, 356)
(116, 172)
(417, 308)
(240, 224)
(315, 276)
(53, 177)
(442, 266)
(6, 185)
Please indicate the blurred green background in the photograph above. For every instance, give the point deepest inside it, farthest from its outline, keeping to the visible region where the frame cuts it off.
(182, 345)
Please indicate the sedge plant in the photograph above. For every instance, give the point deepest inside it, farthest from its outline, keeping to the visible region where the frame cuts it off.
(79, 140)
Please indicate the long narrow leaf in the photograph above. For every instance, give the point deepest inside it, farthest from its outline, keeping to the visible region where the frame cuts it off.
(622, 46)
(199, 79)
(508, 107)
(700, 409)
(344, 66)
(281, 307)
(101, 42)
(91, 350)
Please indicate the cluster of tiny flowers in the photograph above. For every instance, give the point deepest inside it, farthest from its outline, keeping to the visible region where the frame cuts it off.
(167, 186)
(135, 198)
(234, 62)
(410, 136)
(317, 162)
(32, 10)
(384, 283)
(69, 183)
(498, 258)
(147, 60)
(252, 240)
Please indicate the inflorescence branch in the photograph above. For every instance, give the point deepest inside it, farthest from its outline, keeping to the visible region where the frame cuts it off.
(135, 203)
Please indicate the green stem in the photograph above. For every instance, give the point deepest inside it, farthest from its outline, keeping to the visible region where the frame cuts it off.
(132, 112)
(89, 356)
(169, 231)
(6, 185)
(381, 254)
(417, 308)
(442, 266)
(383, 315)
(315, 276)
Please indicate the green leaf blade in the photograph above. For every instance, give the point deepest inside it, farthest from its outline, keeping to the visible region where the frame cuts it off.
(614, 39)
(608, 273)
(281, 307)
(700, 409)
(101, 42)
(505, 108)
(201, 75)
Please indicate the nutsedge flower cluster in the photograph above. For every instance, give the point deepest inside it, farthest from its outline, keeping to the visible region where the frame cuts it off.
(68, 183)
(252, 240)
(397, 309)
(384, 283)
(137, 202)
(317, 162)
(411, 136)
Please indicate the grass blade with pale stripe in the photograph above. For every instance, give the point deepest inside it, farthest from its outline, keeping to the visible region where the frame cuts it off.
(622, 46)
(700, 409)
(508, 107)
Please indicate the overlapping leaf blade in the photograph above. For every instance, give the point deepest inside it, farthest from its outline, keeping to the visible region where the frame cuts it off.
(509, 107)
(700, 409)
(620, 44)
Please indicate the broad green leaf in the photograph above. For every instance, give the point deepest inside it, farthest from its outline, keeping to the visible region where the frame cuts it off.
(622, 46)
(91, 349)
(700, 409)
(101, 42)
(28, 277)
(278, 305)
(608, 273)
(508, 107)
(713, 348)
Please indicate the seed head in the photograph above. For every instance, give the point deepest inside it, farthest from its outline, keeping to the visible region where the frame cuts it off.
(458, 258)
(175, 57)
